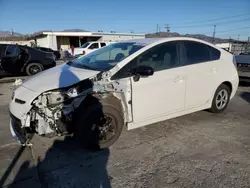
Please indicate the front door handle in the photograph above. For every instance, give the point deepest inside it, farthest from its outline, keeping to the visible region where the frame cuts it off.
(179, 79)
(213, 70)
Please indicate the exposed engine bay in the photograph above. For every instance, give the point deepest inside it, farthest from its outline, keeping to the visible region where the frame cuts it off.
(52, 112)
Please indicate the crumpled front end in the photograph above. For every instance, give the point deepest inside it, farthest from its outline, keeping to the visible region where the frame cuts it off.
(51, 113)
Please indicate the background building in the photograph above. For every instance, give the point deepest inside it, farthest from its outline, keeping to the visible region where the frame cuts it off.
(63, 40)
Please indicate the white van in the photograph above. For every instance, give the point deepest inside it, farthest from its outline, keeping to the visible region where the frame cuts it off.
(131, 83)
(89, 47)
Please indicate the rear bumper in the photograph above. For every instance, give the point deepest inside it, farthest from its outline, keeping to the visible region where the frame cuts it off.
(235, 84)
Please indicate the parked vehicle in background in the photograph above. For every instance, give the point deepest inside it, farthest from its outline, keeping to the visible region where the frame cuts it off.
(24, 59)
(89, 47)
(133, 83)
(243, 66)
(55, 52)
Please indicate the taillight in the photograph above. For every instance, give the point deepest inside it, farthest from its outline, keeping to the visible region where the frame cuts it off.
(83, 52)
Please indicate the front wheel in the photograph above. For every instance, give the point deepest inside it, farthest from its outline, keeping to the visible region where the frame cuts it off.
(100, 127)
(33, 68)
(221, 99)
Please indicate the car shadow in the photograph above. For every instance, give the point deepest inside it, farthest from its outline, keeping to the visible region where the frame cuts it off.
(66, 164)
(244, 84)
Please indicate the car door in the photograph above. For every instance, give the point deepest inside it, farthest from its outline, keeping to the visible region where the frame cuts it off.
(12, 61)
(201, 66)
(164, 92)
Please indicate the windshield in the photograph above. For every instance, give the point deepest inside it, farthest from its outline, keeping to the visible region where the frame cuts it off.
(84, 45)
(107, 57)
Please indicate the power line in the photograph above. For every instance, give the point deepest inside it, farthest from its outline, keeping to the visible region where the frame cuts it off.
(222, 18)
(233, 29)
(208, 25)
(225, 31)
(242, 34)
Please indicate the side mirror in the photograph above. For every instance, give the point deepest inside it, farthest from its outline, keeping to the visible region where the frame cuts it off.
(144, 70)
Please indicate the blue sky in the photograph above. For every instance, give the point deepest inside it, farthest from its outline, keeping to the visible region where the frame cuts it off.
(140, 16)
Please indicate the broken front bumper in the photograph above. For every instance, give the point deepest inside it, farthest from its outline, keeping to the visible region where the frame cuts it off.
(17, 131)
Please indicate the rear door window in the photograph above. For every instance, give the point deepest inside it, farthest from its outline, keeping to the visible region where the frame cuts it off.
(196, 52)
(103, 44)
(11, 50)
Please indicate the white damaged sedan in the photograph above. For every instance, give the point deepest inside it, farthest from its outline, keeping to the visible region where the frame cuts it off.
(133, 83)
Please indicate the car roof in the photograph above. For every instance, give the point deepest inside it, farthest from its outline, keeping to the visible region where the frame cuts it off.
(148, 41)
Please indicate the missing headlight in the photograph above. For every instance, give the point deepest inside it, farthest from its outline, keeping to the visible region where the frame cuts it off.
(72, 92)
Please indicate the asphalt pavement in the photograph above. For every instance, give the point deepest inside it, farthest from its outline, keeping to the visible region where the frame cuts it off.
(197, 150)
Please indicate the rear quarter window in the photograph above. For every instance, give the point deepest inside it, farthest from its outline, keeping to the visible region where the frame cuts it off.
(214, 53)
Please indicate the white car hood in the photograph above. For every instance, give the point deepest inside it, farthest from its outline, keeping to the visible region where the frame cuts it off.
(57, 77)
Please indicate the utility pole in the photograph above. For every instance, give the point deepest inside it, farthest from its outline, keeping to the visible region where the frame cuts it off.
(214, 32)
(167, 28)
(157, 28)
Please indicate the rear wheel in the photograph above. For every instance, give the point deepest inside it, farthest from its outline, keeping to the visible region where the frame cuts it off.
(100, 127)
(221, 99)
(33, 68)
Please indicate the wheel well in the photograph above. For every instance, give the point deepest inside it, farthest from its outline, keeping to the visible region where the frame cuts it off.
(29, 62)
(229, 85)
(94, 100)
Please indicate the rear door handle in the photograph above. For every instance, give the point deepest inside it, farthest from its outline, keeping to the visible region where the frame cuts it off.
(179, 79)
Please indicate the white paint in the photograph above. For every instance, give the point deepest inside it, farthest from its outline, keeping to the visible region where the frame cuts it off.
(157, 95)
(52, 41)
(58, 77)
(87, 50)
(166, 94)
(117, 38)
(199, 92)
(42, 41)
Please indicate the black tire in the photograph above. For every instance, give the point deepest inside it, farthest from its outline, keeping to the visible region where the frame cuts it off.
(33, 68)
(218, 107)
(87, 128)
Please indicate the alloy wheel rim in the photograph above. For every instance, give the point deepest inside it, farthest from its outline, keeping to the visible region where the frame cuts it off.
(221, 99)
(108, 129)
(34, 69)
